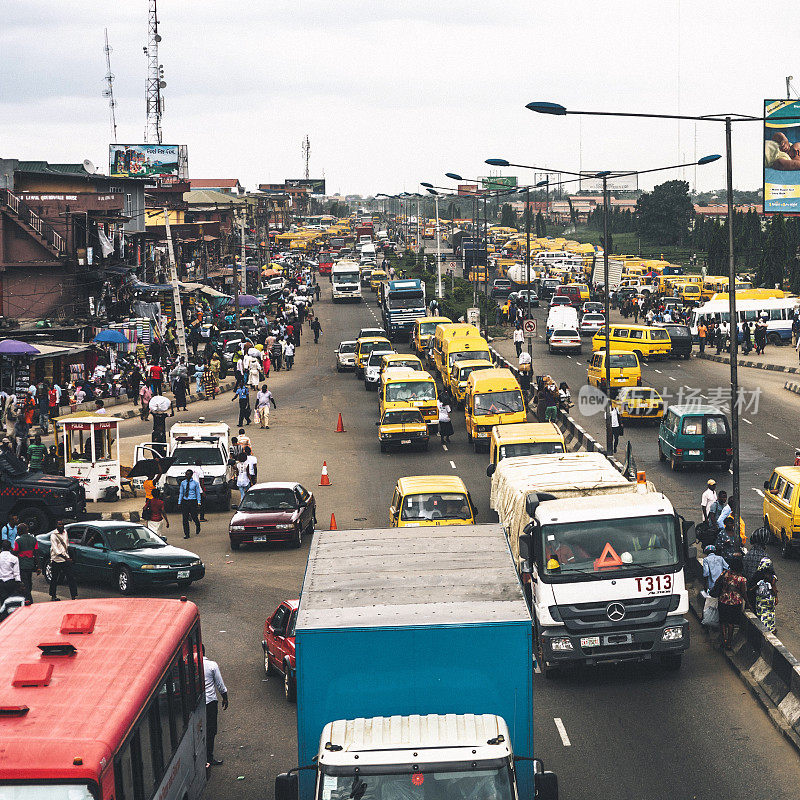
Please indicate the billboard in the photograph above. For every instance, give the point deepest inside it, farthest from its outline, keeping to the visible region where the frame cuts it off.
(312, 185)
(499, 182)
(781, 157)
(467, 189)
(588, 183)
(143, 160)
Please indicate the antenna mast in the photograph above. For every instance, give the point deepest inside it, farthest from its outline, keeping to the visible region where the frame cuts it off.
(155, 79)
(306, 154)
(109, 90)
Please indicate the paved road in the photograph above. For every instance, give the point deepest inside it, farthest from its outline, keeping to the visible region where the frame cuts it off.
(767, 439)
(634, 732)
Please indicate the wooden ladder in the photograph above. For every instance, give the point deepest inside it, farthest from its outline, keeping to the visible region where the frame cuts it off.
(180, 328)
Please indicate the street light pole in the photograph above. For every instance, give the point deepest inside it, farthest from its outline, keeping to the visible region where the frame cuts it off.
(607, 309)
(438, 251)
(734, 329)
(528, 265)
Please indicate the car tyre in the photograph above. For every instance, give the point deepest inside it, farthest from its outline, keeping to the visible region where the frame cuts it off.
(289, 686)
(124, 580)
(786, 546)
(297, 540)
(673, 464)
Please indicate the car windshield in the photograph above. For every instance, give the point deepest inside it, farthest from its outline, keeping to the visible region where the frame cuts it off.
(410, 363)
(615, 546)
(565, 332)
(428, 328)
(189, 456)
(376, 356)
(508, 402)
(410, 390)
(276, 499)
(623, 360)
(131, 537)
(402, 417)
(435, 505)
(470, 355)
(347, 347)
(530, 449)
(371, 332)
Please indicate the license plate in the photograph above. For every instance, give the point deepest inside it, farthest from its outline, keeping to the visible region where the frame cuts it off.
(183, 573)
(259, 538)
(405, 441)
(481, 434)
(590, 641)
(694, 452)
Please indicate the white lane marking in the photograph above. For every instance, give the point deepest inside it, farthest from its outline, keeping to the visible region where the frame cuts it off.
(687, 387)
(658, 371)
(453, 464)
(562, 731)
(704, 397)
(671, 378)
(758, 491)
(747, 421)
(772, 435)
(731, 471)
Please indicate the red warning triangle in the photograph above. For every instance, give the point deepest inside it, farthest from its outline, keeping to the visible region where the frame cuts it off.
(608, 558)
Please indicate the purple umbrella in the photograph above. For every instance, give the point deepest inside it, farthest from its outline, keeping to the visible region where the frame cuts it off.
(13, 347)
(248, 301)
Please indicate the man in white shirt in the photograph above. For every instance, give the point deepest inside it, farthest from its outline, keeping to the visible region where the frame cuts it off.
(213, 684)
(10, 581)
(709, 497)
(252, 465)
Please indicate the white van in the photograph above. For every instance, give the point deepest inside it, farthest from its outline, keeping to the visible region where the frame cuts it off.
(561, 317)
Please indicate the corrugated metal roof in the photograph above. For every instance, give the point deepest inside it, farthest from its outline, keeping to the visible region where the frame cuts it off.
(453, 574)
(46, 167)
(210, 197)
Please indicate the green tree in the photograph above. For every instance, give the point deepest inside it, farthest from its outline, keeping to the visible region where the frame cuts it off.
(717, 248)
(527, 218)
(776, 254)
(508, 217)
(541, 225)
(666, 213)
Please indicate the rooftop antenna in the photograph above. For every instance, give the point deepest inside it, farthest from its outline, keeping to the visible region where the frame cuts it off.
(789, 87)
(306, 153)
(109, 90)
(155, 79)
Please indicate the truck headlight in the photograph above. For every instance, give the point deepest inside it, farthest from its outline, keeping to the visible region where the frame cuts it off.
(672, 634)
(561, 645)
(171, 480)
(220, 479)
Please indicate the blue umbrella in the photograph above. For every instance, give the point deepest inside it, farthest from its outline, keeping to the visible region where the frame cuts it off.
(110, 336)
(248, 301)
(12, 347)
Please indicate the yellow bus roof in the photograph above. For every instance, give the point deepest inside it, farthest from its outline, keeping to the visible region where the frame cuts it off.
(541, 431)
(500, 375)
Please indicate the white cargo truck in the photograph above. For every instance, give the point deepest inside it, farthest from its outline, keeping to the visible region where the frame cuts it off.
(601, 557)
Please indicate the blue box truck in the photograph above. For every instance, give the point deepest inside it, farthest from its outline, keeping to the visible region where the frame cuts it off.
(402, 302)
(414, 670)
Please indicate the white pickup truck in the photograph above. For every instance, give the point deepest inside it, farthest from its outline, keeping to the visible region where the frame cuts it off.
(190, 442)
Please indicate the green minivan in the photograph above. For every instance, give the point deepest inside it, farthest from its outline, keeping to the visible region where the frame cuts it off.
(695, 434)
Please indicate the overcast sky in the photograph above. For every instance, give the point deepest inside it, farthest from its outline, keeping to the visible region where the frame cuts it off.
(392, 93)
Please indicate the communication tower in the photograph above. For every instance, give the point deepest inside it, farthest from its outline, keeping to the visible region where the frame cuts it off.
(109, 90)
(155, 79)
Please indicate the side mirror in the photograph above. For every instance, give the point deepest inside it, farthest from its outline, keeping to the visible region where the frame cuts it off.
(545, 783)
(766, 485)
(490, 470)
(287, 786)
(377, 424)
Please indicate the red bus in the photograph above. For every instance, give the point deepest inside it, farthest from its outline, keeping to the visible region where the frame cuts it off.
(102, 699)
(325, 262)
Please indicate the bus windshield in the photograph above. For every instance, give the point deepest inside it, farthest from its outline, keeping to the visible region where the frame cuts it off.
(509, 402)
(464, 355)
(609, 546)
(404, 391)
(530, 449)
(34, 791)
(428, 328)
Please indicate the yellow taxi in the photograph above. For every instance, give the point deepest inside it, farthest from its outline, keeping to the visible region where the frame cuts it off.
(424, 329)
(639, 402)
(376, 278)
(624, 366)
(402, 426)
(405, 387)
(524, 439)
(459, 375)
(364, 346)
(645, 340)
(422, 500)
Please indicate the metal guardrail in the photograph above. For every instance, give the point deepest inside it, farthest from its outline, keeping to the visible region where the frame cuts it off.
(27, 215)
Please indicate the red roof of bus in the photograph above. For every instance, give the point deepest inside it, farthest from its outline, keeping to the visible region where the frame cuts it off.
(93, 696)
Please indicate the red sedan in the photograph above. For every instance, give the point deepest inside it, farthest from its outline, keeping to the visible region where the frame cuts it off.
(278, 644)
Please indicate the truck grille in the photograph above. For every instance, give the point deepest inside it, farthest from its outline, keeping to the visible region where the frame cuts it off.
(640, 612)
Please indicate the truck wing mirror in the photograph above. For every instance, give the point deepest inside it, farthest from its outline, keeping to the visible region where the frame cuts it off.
(287, 785)
(688, 531)
(490, 470)
(545, 786)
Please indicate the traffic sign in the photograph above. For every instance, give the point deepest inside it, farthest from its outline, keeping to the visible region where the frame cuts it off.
(529, 328)
(452, 265)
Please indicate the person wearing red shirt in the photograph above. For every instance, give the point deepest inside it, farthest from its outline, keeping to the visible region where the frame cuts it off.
(156, 377)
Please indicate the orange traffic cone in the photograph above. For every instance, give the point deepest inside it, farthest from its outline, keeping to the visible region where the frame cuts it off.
(340, 424)
(324, 480)
(334, 526)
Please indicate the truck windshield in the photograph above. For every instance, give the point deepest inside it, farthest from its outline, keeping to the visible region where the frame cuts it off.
(613, 547)
(509, 402)
(40, 791)
(406, 300)
(406, 391)
(472, 355)
(467, 783)
(188, 456)
(345, 277)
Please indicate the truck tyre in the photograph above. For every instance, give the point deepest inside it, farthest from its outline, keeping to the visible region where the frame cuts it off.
(37, 519)
(672, 661)
(124, 580)
(774, 339)
(289, 687)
